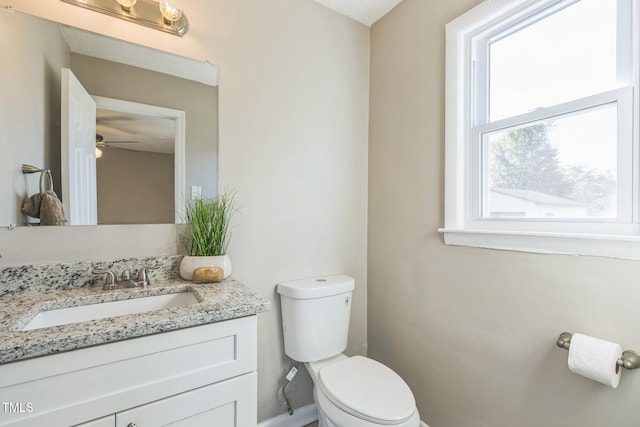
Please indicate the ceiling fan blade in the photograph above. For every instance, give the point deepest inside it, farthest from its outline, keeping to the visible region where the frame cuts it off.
(113, 147)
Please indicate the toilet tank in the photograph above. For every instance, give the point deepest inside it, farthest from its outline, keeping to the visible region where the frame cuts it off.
(315, 316)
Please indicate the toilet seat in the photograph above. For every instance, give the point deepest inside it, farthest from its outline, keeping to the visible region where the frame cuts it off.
(336, 417)
(367, 390)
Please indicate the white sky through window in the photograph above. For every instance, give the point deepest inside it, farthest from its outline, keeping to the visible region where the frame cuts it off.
(567, 55)
(588, 139)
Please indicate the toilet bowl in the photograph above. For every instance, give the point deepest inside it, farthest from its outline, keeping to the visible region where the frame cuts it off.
(360, 392)
(348, 391)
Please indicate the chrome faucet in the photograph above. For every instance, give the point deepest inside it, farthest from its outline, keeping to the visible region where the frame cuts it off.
(110, 280)
(143, 277)
(125, 280)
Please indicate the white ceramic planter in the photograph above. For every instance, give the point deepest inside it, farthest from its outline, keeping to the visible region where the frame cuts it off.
(190, 263)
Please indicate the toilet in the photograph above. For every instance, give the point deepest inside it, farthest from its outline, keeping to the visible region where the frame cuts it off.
(348, 391)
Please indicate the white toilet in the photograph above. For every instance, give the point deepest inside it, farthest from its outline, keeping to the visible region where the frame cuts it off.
(348, 391)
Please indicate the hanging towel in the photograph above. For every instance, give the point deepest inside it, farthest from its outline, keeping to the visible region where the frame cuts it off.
(31, 206)
(51, 210)
(46, 206)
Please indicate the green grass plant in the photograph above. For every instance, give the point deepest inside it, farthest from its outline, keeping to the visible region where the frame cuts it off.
(208, 220)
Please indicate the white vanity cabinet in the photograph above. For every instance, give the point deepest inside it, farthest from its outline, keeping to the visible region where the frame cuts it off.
(222, 405)
(197, 376)
(109, 421)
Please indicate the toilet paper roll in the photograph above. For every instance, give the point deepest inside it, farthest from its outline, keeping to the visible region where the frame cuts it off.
(595, 359)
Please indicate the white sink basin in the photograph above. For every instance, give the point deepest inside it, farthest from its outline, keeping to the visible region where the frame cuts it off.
(83, 313)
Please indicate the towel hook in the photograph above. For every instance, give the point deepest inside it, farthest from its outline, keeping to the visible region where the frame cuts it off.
(31, 169)
(44, 174)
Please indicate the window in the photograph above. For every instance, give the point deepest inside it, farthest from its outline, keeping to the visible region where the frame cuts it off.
(542, 126)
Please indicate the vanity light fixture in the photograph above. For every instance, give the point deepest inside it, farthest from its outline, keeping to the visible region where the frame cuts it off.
(164, 15)
(170, 13)
(126, 5)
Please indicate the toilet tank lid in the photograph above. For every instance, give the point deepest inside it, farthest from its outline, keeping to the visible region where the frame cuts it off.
(317, 287)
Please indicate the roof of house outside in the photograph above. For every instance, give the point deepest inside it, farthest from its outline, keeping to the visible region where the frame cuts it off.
(536, 197)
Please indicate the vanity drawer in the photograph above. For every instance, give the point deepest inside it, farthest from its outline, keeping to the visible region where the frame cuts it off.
(73, 387)
(102, 422)
(230, 403)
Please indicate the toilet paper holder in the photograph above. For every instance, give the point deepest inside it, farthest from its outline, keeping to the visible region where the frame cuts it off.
(630, 359)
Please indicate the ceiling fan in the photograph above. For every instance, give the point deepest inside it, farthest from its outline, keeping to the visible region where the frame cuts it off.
(101, 143)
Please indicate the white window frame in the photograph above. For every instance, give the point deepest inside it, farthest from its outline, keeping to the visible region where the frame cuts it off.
(463, 224)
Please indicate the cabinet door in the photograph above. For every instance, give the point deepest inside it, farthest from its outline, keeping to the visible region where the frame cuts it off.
(230, 403)
(109, 421)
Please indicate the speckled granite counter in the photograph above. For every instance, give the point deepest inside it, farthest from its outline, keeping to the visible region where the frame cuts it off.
(227, 300)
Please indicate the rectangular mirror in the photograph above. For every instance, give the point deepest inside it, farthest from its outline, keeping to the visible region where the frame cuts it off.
(156, 123)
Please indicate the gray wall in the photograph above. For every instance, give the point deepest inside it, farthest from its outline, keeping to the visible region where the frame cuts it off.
(135, 187)
(471, 330)
(29, 108)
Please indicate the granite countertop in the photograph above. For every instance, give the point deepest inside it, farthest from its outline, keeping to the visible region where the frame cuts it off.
(226, 300)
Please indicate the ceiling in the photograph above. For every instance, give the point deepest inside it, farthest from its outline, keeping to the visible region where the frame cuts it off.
(136, 132)
(364, 11)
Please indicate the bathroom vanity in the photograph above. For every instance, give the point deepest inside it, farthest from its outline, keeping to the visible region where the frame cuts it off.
(188, 365)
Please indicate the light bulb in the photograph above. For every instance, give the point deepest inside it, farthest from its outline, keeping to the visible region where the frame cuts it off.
(98, 153)
(126, 5)
(170, 13)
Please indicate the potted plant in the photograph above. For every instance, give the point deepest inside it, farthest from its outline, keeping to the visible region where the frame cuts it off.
(207, 234)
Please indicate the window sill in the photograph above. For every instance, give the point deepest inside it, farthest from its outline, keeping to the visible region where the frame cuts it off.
(610, 246)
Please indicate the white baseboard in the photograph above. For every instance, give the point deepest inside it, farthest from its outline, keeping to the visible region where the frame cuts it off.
(301, 417)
